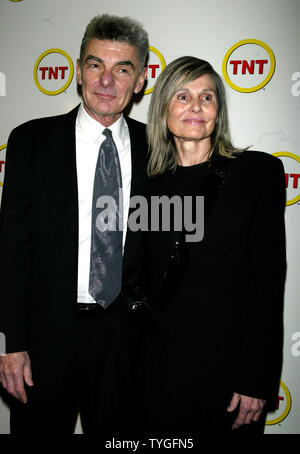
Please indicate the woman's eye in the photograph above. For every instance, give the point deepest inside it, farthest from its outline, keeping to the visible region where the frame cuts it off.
(182, 97)
(206, 97)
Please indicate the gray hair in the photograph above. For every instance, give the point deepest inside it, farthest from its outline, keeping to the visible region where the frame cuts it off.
(176, 75)
(114, 28)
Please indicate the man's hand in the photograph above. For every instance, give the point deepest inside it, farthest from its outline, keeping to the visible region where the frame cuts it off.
(14, 370)
(250, 409)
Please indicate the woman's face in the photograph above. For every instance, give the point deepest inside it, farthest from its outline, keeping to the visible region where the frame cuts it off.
(193, 110)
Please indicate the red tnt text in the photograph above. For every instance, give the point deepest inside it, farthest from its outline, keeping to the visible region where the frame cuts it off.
(1, 164)
(55, 73)
(279, 398)
(153, 69)
(295, 178)
(248, 66)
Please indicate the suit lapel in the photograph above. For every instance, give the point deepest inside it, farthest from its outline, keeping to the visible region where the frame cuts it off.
(220, 213)
(218, 176)
(138, 159)
(138, 180)
(62, 188)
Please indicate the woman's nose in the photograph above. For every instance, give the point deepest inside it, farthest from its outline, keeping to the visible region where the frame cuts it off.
(196, 106)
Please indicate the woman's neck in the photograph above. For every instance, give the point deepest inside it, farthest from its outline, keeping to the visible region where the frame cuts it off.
(192, 152)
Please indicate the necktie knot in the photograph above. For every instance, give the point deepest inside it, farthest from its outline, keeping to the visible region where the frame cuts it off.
(109, 149)
(107, 133)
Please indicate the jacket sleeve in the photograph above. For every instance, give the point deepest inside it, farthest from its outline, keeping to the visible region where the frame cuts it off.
(16, 233)
(259, 369)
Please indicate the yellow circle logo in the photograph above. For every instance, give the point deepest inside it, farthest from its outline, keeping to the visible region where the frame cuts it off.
(248, 65)
(2, 162)
(55, 74)
(292, 177)
(284, 404)
(155, 66)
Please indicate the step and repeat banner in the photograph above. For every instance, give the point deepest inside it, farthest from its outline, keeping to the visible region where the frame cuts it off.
(253, 45)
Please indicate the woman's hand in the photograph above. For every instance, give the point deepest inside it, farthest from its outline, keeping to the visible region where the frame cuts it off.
(250, 409)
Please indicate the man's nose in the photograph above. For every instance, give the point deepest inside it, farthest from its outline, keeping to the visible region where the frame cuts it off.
(106, 78)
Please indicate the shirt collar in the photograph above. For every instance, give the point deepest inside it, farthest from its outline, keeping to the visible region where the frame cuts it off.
(92, 129)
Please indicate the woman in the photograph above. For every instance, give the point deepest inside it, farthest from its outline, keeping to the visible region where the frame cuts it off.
(216, 359)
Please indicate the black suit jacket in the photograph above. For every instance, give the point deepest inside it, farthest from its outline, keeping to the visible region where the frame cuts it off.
(223, 327)
(39, 228)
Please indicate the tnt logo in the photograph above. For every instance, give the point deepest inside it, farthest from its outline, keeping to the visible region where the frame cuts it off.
(2, 166)
(248, 65)
(155, 67)
(284, 404)
(291, 164)
(53, 71)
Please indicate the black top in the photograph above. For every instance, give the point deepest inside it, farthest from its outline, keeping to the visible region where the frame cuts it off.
(187, 183)
(189, 180)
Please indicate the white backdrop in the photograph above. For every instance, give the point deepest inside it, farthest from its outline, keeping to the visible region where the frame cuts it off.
(259, 39)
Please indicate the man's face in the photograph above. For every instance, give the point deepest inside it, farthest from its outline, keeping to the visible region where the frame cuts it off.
(109, 75)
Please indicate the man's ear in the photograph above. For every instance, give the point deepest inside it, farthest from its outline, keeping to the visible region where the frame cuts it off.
(78, 72)
(141, 80)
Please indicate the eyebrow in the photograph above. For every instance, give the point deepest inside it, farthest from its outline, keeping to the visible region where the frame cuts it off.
(118, 63)
(205, 90)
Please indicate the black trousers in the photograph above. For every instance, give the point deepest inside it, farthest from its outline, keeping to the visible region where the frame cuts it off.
(95, 383)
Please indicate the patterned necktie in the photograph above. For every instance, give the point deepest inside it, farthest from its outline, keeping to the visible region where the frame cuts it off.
(107, 225)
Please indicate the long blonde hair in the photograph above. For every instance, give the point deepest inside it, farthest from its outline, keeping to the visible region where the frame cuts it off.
(163, 154)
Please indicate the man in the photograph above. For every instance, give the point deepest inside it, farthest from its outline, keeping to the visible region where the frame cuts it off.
(66, 342)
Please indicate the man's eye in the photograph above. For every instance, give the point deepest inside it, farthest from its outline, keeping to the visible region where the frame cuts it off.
(125, 70)
(93, 65)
